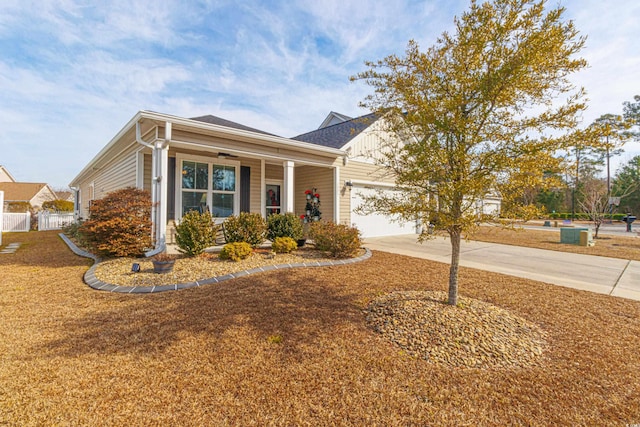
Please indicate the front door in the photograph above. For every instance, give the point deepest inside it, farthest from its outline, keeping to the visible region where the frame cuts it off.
(273, 190)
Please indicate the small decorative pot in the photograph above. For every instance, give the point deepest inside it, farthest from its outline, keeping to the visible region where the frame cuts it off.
(162, 267)
(316, 218)
(315, 200)
(308, 196)
(308, 213)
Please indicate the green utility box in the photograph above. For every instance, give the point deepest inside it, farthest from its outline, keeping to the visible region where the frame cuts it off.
(571, 235)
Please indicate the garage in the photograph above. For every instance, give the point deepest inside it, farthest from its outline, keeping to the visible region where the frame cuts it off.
(375, 225)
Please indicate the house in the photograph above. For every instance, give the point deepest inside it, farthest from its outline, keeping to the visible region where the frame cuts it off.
(226, 167)
(5, 176)
(34, 193)
(66, 196)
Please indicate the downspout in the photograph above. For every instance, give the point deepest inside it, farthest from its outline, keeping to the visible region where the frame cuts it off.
(159, 246)
(76, 205)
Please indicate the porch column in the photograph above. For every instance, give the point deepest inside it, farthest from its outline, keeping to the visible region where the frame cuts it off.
(287, 200)
(337, 187)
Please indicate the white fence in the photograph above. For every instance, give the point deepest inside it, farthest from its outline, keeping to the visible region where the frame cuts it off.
(1, 215)
(16, 222)
(54, 221)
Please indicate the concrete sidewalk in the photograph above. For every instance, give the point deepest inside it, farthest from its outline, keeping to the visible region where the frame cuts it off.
(611, 276)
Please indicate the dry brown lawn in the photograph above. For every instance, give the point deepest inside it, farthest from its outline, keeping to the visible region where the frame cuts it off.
(292, 348)
(606, 245)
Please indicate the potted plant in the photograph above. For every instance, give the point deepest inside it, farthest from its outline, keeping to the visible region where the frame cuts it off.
(163, 263)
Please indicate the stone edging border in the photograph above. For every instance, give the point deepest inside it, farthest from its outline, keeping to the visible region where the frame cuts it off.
(93, 282)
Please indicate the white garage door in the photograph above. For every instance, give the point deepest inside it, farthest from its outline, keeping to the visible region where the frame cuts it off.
(376, 225)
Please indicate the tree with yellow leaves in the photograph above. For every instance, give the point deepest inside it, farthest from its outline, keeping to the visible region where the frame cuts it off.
(482, 110)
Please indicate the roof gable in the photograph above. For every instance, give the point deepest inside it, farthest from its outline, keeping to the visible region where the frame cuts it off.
(334, 118)
(5, 176)
(214, 120)
(20, 191)
(338, 135)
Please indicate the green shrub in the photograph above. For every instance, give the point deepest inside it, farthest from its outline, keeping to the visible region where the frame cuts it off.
(58, 205)
(284, 225)
(284, 245)
(18, 207)
(246, 227)
(195, 233)
(339, 240)
(236, 251)
(74, 231)
(120, 223)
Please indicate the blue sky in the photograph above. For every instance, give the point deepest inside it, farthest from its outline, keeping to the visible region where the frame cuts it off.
(73, 72)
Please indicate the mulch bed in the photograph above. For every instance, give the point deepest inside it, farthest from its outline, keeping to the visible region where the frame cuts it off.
(473, 334)
(294, 347)
(117, 271)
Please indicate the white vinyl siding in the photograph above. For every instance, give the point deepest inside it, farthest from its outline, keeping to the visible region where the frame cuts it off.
(118, 173)
(357, 171)
(308, 178)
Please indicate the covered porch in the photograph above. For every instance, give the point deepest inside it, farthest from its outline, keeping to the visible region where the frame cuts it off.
(188, 165)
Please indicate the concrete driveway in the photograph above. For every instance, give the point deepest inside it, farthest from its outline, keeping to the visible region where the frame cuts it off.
(611, 276)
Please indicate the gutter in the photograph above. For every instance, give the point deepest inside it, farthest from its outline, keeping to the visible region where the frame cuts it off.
(156, 177)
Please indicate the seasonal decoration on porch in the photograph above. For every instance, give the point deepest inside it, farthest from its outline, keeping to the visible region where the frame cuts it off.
(312, 208)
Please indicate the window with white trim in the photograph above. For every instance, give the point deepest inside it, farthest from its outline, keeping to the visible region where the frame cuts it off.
(209, 186)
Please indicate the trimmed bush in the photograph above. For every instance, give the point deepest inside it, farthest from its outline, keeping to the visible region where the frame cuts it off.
(246, 227)
(58, 205)
(284, 245)
(339, 240)
(284, 225)
(195, 233)
(18, 207)
(236, 251)
(119, 224)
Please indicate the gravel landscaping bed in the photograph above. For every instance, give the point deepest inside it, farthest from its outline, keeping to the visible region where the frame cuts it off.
(189, 269)
(474, 334)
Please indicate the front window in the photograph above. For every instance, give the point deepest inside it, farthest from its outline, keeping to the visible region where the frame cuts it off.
(217, 194)
(194, 186)
(224, 187)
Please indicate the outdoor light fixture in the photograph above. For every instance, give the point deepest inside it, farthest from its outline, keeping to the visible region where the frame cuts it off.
(135, 267)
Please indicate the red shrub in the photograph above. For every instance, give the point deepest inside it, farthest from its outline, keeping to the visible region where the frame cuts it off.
(120, 223)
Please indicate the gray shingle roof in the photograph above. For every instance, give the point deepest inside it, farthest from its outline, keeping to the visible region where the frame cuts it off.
(227, 123)
(338, 135)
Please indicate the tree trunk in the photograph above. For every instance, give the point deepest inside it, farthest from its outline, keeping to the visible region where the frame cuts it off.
(454, 235)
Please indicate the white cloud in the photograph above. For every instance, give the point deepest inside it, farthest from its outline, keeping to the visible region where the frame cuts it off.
(73, 72)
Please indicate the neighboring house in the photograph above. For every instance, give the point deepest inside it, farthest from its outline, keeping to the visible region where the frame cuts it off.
(29, 192)
(66, 196)
(5, 176)
(208, 163)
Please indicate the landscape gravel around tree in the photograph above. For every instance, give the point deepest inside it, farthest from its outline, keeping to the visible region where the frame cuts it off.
(294, 347)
